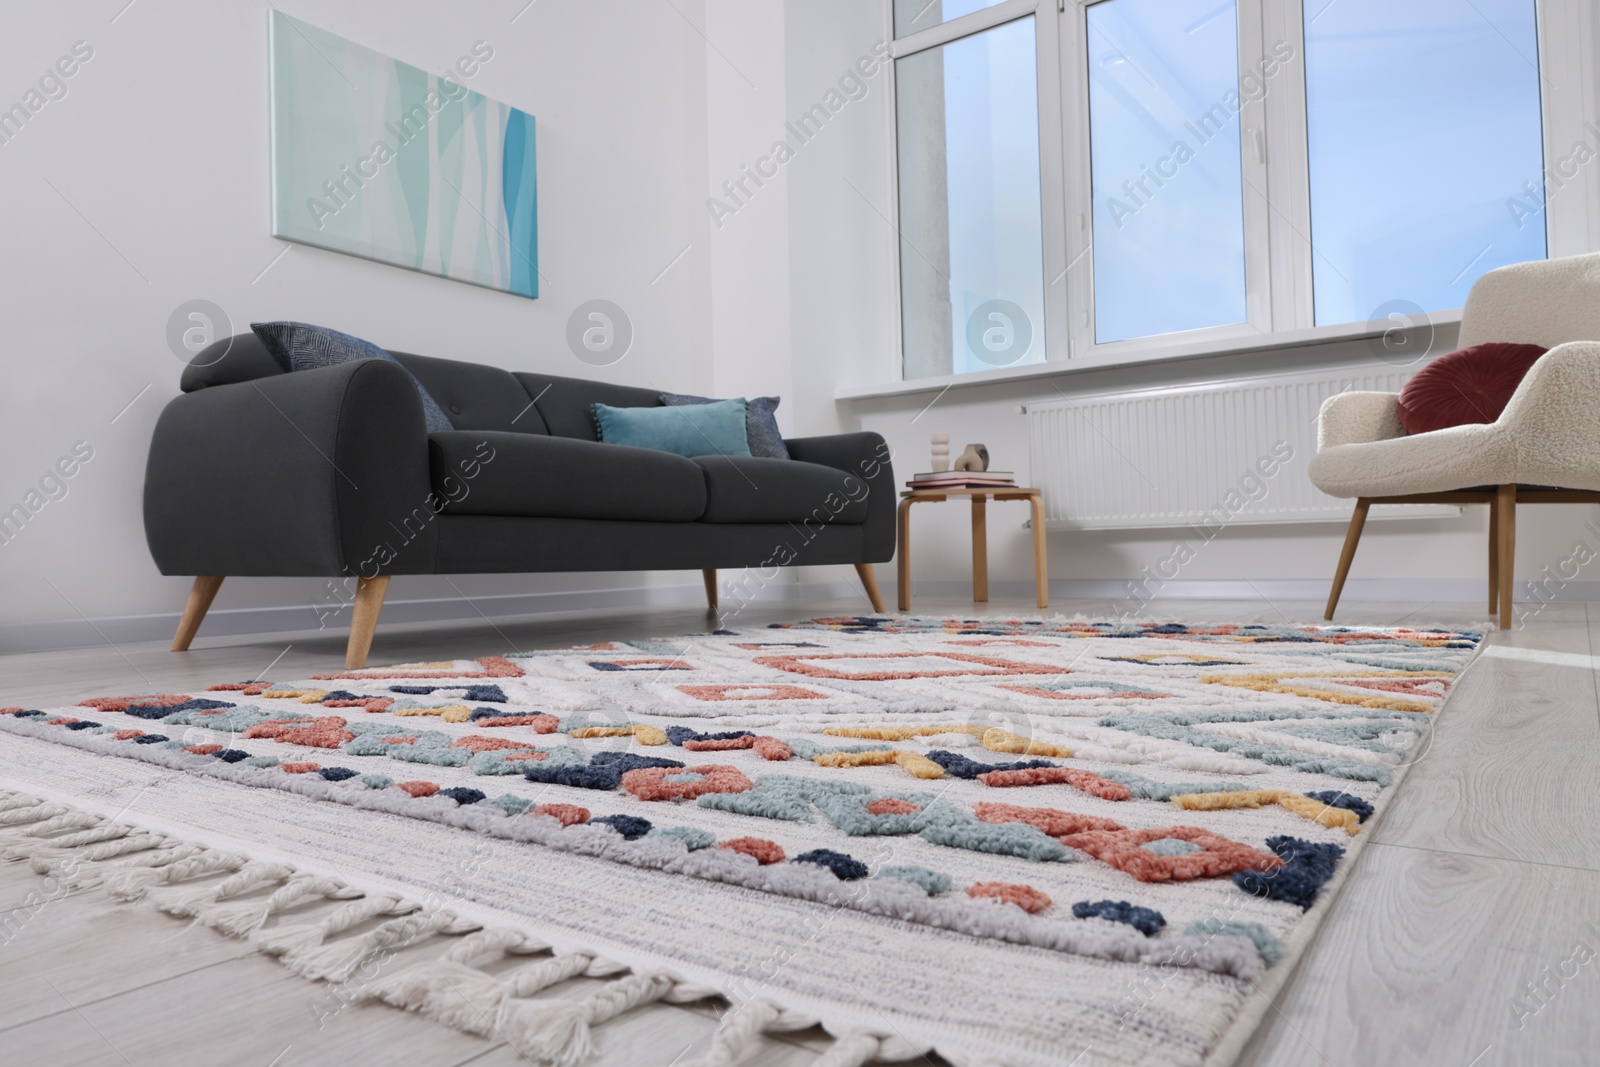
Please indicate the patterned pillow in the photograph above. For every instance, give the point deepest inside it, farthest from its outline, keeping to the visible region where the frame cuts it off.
(760, 424)
(299, 346)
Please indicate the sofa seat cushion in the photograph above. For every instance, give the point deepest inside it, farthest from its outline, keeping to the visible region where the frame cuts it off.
(756, 489)
(490, 472)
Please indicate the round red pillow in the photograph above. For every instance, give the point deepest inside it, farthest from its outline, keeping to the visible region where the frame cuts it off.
(1466, 386)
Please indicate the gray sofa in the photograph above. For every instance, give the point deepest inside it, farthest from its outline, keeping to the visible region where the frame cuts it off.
(331, 473)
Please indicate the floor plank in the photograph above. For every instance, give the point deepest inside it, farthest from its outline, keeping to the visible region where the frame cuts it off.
(1509, 772)
(1427, 959)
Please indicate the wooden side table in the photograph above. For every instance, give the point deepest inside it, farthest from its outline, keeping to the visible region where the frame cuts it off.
(980, 538)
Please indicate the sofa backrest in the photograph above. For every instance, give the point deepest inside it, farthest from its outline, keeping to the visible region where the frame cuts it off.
(476, 397)
(565, 402)
(473, 395)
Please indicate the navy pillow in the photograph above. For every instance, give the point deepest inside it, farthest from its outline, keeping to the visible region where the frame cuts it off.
(716, 429)
(300, 346)
(760, 424)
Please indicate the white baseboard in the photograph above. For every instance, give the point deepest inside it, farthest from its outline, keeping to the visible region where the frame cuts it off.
(1117, 596)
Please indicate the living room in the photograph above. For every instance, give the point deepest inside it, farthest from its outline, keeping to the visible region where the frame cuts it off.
(361, 360)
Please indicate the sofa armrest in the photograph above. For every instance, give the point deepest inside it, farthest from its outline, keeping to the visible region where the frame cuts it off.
(866, 456)
(1357, 418)
(318, 473)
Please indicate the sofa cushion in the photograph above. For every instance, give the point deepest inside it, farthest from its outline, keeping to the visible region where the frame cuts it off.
(495, 472)
(756, 489)
(301, 346)
(760, 422)
(476, 397)
(691, 430)
(567, 403)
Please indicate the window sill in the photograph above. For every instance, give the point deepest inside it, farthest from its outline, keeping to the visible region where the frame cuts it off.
(1144, 353)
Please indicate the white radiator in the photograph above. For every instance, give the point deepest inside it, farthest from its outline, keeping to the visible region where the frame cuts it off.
(1213, 454)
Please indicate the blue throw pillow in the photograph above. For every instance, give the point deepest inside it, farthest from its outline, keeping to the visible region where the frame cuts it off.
(300, 346)
(715, 429)
(760, 424)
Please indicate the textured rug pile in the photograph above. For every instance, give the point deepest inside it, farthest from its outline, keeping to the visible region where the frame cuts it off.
(1004, 841)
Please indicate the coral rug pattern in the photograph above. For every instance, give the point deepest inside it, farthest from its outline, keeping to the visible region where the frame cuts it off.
(1011, 841)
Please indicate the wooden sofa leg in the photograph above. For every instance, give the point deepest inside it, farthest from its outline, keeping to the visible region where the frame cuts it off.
(1506, 543)
(201, 594)
(869, 582)
(710, 575)
(1352, 537)
(364, 620)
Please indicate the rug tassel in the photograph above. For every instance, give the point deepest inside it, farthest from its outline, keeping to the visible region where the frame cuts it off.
(412, 988)
(61, 859)
(19, 800)
(186, 903)
(337, 962)
(560, 1033)
(850, 1050)
(244, 918)
(741, 1027)
(108, 831)
(87, 875)
(133, 883)
(473, 1001)
(26, 840)
(293, 942)
(27, 813)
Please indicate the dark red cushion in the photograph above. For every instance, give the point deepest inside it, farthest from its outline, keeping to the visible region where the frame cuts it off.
(1466, 386)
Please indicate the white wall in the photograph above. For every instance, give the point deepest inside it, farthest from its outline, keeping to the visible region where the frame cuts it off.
(147, 186)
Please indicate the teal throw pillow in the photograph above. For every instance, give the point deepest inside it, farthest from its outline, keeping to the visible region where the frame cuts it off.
(693, 430)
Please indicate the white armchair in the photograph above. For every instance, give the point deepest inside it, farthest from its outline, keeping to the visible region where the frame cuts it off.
(1544, 448)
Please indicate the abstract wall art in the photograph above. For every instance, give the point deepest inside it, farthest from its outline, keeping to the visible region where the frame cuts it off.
(380, 159)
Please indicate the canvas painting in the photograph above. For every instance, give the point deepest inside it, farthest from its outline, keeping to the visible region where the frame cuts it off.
(380, 159)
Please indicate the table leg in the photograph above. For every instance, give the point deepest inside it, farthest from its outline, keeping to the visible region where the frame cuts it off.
(980, 548)
(1041, 569)
(903, 557)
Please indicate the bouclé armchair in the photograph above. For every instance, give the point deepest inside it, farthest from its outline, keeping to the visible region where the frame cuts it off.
(1544, 447)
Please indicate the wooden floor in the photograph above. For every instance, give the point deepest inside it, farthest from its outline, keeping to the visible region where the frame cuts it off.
(1469, 934)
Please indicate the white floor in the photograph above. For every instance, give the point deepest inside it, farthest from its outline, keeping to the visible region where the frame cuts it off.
(1468, 936)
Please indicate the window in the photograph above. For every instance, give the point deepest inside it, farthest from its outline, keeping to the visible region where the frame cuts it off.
(971, 265)
(1136, 179)
(1168, 191)
(913, 15)
(1424, 133)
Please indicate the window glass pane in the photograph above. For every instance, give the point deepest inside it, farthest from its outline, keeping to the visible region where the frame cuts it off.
(971, 242)
(1425, 150)
(1164, 162)
(913, 15)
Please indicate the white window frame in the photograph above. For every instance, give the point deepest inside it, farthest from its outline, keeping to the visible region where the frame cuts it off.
(1278, 255)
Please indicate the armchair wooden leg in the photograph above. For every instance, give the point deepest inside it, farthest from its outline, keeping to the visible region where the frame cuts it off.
(1506, 542)
(1494, 554)
(364, 620)
(869, 582)
(201, 594)
(1352, 537)
(710, 575)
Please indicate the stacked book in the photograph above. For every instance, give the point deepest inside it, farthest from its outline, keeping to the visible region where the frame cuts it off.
(963, 480)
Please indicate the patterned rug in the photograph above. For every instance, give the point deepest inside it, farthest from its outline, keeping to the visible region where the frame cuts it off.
(1006, 841)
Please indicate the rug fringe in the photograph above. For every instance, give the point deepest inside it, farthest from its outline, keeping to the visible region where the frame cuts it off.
(244, 918)
(86, 851)
(560, 1033)
(186, 903)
